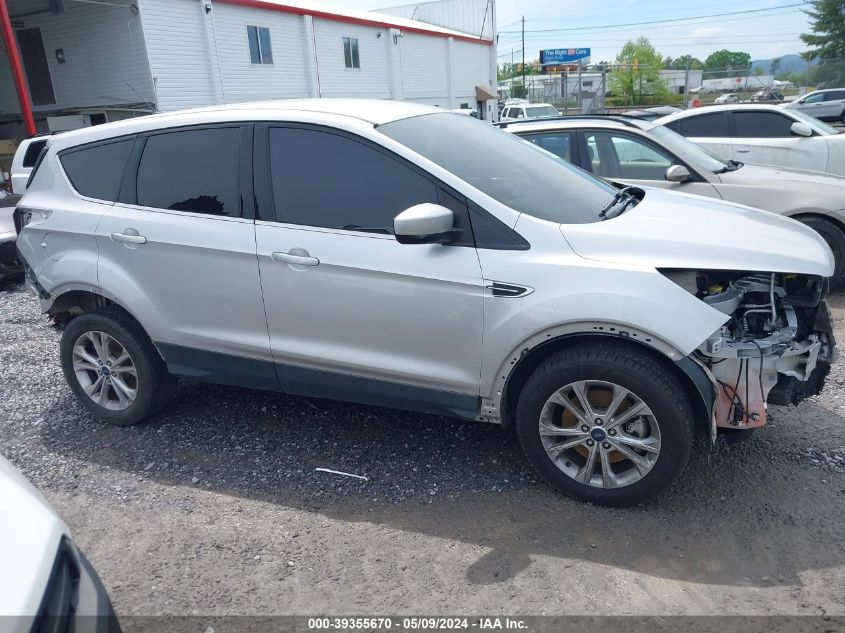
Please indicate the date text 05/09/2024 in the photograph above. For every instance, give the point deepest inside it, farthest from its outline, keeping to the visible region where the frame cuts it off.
(493, 623)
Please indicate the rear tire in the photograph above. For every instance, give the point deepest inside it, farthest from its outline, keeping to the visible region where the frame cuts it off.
(835, 238)
(113, 368)
(654, 421)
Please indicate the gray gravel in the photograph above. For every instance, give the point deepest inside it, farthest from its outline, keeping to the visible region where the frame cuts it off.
(216, 506)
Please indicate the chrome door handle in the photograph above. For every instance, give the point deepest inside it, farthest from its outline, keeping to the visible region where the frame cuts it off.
(743, 151)
(128, 238)
(295, 260)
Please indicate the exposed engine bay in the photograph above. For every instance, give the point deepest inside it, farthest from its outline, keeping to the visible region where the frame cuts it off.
(777, 346)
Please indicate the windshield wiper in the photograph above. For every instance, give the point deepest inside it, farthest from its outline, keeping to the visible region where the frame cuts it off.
(623, 195)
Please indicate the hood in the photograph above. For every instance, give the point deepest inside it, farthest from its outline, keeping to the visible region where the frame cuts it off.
(674, 230)
(787, 191)
(781, 178)
(30, 533)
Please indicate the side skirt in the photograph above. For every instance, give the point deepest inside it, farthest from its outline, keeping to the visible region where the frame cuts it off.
(238, 371)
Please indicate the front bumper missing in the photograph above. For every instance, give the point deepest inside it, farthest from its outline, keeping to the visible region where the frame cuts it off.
(748, 375)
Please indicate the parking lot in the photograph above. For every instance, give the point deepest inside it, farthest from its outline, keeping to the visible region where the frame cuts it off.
(216, 507)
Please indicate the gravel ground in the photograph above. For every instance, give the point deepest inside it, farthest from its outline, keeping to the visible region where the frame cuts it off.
(216, 507)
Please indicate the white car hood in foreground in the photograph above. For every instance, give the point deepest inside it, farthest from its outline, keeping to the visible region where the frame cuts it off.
(673, 230)
(30, 533)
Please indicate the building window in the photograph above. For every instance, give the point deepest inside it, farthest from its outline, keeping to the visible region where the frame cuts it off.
(350, 52)
(260, 51)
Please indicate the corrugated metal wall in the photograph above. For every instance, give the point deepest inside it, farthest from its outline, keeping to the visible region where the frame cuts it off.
(285, 78)
(178, 53)
(372, 79)
(199, 58)
(105, 58)
(424, 68)
(469, 62)
(468, 16)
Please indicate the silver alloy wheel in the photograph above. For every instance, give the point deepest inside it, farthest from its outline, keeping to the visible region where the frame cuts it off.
(105, 370)
(600, 433)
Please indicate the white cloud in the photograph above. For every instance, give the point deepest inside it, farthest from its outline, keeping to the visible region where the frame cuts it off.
(707, 35)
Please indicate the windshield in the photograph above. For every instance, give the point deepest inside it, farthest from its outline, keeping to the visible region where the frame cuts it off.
(535, 111)
(687, 150)
(816, 123)
(513, 172)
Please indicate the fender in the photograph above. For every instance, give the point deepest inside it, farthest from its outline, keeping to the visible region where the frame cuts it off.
(491, 406)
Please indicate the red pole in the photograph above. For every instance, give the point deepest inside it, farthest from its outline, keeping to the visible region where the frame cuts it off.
(17, 68)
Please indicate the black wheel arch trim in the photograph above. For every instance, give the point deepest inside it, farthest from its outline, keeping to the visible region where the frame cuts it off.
(695, 380)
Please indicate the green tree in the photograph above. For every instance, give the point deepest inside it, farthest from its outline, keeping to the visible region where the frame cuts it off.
(518, 90)
(507, 71)
(725, 63)
(687, 61)
(827, 42)
(638, 72)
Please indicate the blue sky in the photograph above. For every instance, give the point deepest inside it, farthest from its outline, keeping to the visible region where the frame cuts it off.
(771, 30)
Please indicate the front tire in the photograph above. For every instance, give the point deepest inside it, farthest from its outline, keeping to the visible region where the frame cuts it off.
(605, 423)
(113, 368)
(835, 238)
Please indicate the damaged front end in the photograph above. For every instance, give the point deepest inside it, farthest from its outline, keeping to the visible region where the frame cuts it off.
(776, 347)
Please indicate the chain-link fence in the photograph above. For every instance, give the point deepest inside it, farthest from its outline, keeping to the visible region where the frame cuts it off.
(599, 88)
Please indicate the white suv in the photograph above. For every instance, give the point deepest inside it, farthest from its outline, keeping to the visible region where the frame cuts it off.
(528, 111)
(393, 254)
(826, 105)
(24, 160)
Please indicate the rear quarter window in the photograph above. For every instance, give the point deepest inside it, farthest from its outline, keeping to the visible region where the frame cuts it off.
(711, 125)
(97, 171)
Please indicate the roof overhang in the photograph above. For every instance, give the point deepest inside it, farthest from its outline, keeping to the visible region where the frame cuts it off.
(483, 93)
(365, 18)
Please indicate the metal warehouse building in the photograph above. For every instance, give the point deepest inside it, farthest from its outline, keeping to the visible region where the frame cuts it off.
(82, 62)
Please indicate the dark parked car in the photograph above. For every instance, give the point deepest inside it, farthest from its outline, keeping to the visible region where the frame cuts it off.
(763, 96)
(650, 114)
(10, 266)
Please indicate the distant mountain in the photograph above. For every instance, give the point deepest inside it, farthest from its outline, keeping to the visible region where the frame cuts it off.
(788, 64)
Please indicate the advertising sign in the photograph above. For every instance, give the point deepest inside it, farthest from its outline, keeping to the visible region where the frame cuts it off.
(564, 56)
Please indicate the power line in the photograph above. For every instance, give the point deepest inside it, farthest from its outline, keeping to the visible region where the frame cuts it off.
(698, 17)
(547, 16)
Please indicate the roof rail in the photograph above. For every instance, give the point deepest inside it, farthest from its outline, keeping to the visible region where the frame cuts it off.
(625, 119)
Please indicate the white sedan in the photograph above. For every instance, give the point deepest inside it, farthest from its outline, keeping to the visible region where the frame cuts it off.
(764, 135)
(46, 583)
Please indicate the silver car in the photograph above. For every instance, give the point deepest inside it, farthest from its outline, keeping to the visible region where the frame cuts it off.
(826, 105)
(398, 255)
(635, 152)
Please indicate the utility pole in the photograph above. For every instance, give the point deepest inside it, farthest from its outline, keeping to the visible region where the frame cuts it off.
(686, 86)
(524, 87)
(580, 92)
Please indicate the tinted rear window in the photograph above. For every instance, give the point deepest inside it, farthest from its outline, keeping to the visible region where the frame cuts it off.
(762, 125)
(834, 95)
(193, 170)
(710, 125)
(32, 152)
(96, 172)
